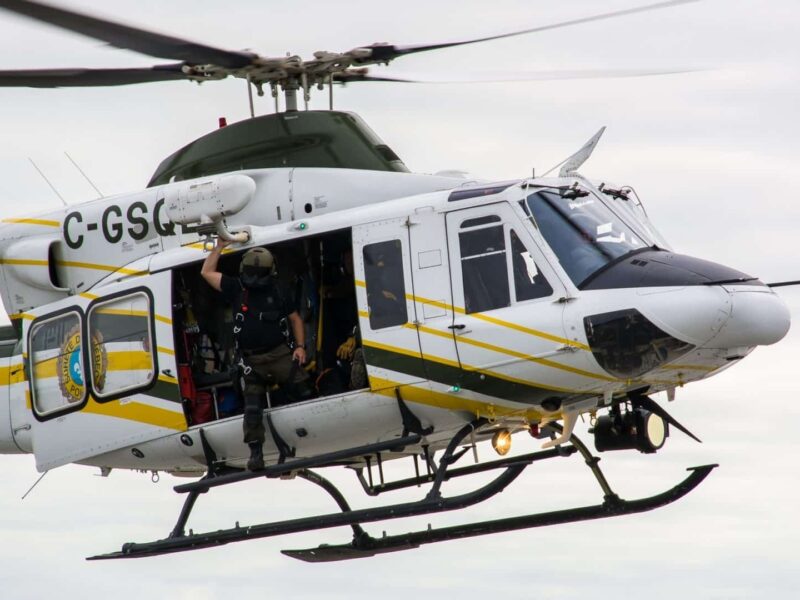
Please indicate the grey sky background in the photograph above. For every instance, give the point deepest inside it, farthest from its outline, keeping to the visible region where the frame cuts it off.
(712, 153)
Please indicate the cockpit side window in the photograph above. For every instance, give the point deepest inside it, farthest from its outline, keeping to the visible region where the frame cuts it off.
(583, 232)
(483, 264)
(529, 282)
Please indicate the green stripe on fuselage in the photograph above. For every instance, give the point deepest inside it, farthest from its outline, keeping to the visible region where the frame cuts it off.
(476, 381)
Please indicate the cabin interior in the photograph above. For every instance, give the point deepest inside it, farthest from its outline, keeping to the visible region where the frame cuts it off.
(319, 272)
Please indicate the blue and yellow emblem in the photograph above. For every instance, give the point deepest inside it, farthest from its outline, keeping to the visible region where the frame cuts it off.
(71, 376)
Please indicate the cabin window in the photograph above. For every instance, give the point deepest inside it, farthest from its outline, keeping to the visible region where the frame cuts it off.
(386, 288)
(56, 368)
(483, 264)
(122, 357)
(529, 283)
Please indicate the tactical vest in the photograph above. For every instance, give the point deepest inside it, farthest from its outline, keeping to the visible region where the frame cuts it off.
(258, 322)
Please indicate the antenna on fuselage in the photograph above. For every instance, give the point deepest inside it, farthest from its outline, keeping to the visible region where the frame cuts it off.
(52, 187)
(30, 489)
(581, 156)
(574, 161)
(85, 176)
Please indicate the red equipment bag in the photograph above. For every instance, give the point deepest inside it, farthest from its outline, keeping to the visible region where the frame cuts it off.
(202, 408)
(199, 405)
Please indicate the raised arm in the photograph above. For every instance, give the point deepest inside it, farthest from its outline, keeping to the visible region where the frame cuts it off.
(209, 270)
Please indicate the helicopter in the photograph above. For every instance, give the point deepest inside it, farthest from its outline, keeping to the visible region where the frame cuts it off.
(447, 367)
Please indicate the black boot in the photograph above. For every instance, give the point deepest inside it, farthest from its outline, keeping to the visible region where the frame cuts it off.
(256, 461)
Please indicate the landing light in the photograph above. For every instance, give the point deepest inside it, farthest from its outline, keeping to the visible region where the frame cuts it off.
(638, 429)
(501, 442)
(656, 431)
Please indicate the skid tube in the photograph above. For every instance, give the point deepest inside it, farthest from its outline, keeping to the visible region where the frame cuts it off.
(364, 545)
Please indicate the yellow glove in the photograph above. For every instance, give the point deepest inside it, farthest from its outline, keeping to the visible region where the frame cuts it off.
(345, 351)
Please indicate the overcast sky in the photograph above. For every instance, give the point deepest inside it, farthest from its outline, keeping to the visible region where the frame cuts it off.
(713, 154)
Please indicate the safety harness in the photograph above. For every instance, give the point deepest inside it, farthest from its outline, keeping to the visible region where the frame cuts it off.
(239, 319)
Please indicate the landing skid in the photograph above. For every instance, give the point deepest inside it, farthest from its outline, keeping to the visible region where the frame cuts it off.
(363, 544)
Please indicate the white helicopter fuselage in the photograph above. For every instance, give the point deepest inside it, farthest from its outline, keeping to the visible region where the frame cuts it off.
(472, 301)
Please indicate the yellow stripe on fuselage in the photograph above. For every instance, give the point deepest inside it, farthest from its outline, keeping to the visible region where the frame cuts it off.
(12, 374)
(136, 411)
(27, 262)
(26, 316)
(98, 267)
(451, 363)
(117, 361)
(30, 262)
(130, 411)
(124, 312)
(493, 320)
(522, 356)
(42, 222)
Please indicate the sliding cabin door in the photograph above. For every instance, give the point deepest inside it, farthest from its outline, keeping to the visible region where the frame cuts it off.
(101, 371)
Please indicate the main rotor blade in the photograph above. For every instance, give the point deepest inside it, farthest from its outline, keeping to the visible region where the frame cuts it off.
(358, 75)
(648, 403)
(388, 52)
(52, 78)
(129, 38)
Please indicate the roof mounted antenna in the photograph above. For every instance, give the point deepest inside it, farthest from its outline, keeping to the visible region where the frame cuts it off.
(575, 161)
(581, 156)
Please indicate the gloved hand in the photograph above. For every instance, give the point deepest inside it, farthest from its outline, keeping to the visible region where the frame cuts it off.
(346, 349)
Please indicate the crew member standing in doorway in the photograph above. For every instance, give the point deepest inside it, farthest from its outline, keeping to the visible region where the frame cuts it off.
(259, 305)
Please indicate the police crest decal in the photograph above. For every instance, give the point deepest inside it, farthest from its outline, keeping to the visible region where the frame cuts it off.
(71, 376)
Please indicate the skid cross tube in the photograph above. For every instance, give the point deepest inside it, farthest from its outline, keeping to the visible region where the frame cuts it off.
(448, 457)
(326, 485)
(217, 538)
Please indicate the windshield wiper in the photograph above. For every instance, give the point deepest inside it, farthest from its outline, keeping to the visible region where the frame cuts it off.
(724, 281)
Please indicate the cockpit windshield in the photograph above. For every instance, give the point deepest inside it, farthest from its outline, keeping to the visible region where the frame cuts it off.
(582, 231)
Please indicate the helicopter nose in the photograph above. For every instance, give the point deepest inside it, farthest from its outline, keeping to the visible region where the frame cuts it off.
(700, 302)
(758, 317)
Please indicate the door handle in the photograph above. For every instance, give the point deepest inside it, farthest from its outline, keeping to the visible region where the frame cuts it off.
(458, 326)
